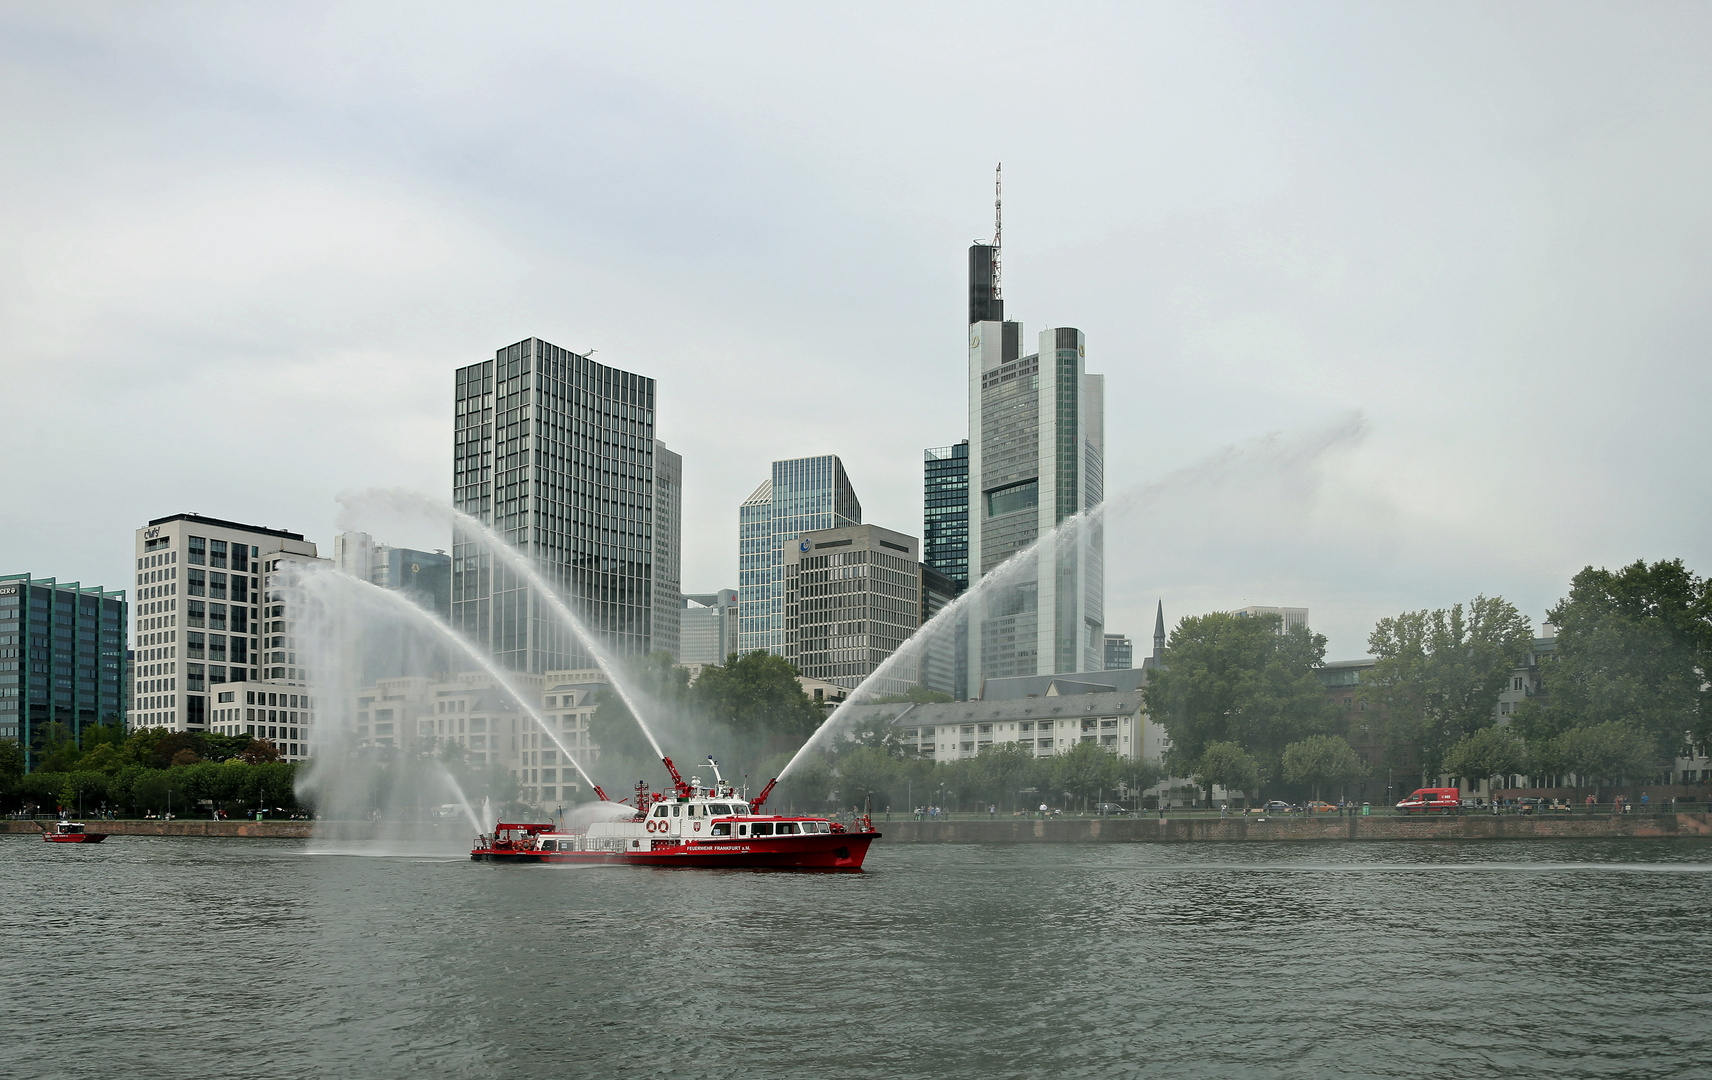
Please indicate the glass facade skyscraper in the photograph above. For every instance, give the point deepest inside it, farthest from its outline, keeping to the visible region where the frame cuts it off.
(62, 660)
(945, 512)
(803, 494)
(556, 454)
(1036, 460)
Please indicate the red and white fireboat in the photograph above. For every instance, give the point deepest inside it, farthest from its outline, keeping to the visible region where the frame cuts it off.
(699, 827)
(72, 832)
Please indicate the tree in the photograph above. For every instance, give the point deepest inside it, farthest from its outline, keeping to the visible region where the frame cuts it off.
(1633, 646)
(865, 769)
(11, 766)
(1604, 752)
(1230, 678)
(757, 694)
(1321, 760)
(1229, 766)
(1085, 770)
(1439, 673)
(257, 752)
(662, 685)
(1486, 755)
(1000, 770)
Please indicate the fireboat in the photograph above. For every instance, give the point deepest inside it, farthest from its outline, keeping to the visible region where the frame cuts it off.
(694, 826)
(72, 832)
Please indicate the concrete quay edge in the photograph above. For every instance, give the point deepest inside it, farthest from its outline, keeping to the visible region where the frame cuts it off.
(1152, 830)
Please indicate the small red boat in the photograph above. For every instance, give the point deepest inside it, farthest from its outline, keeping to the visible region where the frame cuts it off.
(72, 832)
(702, 828)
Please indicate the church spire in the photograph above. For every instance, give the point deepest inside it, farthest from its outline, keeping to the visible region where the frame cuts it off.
(1159, 633)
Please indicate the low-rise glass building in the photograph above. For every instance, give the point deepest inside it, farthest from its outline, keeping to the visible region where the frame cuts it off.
(62, 660)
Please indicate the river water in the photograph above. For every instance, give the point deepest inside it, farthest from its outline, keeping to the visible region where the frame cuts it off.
(199, 958)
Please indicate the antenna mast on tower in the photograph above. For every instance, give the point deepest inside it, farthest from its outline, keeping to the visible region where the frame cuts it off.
(998, 224)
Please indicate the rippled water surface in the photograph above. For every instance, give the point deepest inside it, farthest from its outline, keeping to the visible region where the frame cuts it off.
(197, 958)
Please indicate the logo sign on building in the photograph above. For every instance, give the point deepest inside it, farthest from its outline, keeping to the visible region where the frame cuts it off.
(151, 533)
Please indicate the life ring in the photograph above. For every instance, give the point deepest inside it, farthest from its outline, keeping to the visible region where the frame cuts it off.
(650, 826)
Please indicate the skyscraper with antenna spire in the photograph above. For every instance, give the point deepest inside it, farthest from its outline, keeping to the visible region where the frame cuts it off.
(1036, 460)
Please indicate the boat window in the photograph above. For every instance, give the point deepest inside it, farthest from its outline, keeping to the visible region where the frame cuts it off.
(660, 811)
(763, 828)
(814, 826)
(739, 808)
(787, 828)
(742, 830)
(549, 845)
(719, 809)
(722, 828)
(675, 810)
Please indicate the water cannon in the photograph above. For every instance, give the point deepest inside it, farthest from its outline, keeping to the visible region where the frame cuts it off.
(684, 790)
(755, 804)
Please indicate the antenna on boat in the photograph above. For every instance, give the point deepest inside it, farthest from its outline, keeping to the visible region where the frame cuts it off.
(717, 779)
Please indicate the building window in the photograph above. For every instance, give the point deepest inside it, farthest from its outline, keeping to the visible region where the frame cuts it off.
(217, 553)
(193, 645)
(198, 583)
(216, 585)
(198, 548)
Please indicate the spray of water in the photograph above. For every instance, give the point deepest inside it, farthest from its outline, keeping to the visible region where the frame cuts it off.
(1273, 451)
(312, 580)
(464, 803)
(521, 565)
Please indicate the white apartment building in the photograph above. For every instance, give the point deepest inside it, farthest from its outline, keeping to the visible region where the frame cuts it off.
(1048, 725)
(213, 641)
(468, 710)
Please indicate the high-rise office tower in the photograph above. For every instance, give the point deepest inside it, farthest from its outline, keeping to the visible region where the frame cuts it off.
(556, 454)
(62, 660)
(668, 548)
(852, 597)
(1036, 459)
(945, 511)
(802, 495)
(707, 631)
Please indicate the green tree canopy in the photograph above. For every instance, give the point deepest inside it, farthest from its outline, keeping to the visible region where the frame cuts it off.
(1633, 646)
(663, 687)
(1322, 760)
(757, 694)
(1486, 754)
(1230, 678)
(1605, 752)
(1229, 766)
(1439, 673)
(1085, 770)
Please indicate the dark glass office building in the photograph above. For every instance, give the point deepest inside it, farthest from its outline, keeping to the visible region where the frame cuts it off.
(62, 660)
(945, 512)
(555, 453)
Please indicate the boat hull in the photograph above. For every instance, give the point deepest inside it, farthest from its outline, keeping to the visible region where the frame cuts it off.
(76, 838)
(836, 853)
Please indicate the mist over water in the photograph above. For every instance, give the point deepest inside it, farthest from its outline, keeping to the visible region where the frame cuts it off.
(1280, 459)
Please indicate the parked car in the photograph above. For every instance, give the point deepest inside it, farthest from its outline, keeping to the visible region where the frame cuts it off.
(1278, 806)
(1111, 809)
(1318, 807)
(1432, 800)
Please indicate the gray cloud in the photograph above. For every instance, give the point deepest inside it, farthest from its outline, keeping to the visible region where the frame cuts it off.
(244, 248)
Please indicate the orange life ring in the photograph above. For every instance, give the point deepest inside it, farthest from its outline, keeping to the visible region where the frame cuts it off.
(650, 825)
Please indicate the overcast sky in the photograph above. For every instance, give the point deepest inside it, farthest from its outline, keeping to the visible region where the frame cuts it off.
(1397, 303)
